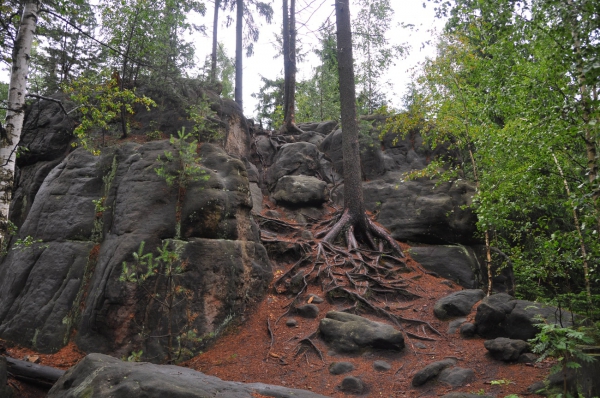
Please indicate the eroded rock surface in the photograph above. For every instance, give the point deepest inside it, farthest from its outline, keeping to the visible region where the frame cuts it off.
(70, 279)
(99, 376)
(352, 333)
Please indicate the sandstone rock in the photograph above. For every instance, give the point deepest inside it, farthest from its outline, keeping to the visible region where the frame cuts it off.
(500, 315)
(381, 366)
(295, 159)
(352, 333)
(507, 350)
(455, 324)
(99, 376)
(431, 371)
(338, 368)
(456, 376)
(300, 190)
(457, 304)
(308, 311)
(352, 384)
(456, 263)
(468, 330)
(71, 280)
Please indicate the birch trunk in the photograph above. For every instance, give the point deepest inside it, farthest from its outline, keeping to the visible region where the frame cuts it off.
(16, 112)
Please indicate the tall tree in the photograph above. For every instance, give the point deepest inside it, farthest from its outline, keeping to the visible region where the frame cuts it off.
(289, 62)
(354, 218)
(375, 52)
(16, 108)
(243, 14)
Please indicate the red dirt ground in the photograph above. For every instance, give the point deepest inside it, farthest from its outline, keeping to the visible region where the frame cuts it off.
(247, 353)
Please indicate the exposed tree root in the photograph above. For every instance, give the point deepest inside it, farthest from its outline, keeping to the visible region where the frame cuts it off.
(307, 344)
(360, 272)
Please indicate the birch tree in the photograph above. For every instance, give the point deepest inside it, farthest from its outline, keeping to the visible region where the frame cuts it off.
(16, 108)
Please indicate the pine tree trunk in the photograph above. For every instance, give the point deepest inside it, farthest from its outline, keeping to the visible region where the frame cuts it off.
(213, 56)
(291, 111)
(286, 63)
(238, 53)
(16, 112)
(353, 195)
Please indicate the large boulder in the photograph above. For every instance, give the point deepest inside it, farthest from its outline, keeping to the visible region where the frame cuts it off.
(300, 190)
(504, 349)
(456, 263)
(371, 156)
(300, 158)
(99, 376)
(431, 371)
(352, 333)
(69, 282)
(457, 304)
(500, 315)
(422, 210)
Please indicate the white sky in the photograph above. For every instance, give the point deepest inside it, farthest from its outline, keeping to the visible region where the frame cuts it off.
(312, 13)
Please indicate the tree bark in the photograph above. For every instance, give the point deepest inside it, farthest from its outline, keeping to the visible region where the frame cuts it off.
(286, 63)
(213, 56)
(238, 53)
(354, 217)
(16, 109)
(32, 373)
(353, 196)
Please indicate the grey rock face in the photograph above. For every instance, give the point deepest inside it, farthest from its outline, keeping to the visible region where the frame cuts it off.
(300, 158)
(71, 280)
(419, 211)
(457, 304)
(99, 376)
(431, 371)
(338, 368)
(504, 349)
(300, 190)
(500, 315)
(352, 333)
(456, 263)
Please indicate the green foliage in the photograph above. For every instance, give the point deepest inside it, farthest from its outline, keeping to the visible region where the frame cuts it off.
(563, 344)
(28, 242)
(318, 98)
(502, 98)
(100, 100)
(149, 37)
(205, 127)
(225, 71)
(99, 204)
(372, 48)
(135, 356)
(168, 267)
(187, 157)
(3, 97)
(270, 102)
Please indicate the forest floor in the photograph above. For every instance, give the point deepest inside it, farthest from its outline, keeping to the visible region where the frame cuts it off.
(263, 349)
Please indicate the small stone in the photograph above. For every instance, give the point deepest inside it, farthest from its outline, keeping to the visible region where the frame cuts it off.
(308, 311)
(447, 283)
(467, 330)
(454, 325)
(381, 366)
(352, 384)
(315, 299)
(420, 345)
(528, 357)
(456, 377)
(338, 368)
(307, 235)
(504, 349)
(272, 214)
(291, 322)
